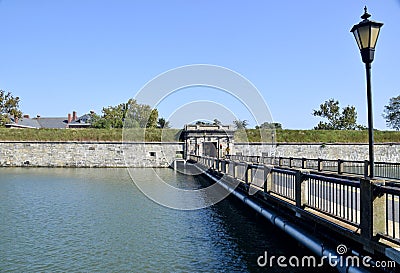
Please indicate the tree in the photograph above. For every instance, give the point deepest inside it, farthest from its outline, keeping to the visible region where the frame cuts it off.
(269, 125)
(99, 122)
(392, 113)
(128, 115)
(113, 116)
(142, 113)
(152, 120)
(9, 107)
(337, 120)
(240, 124)
(163, 123)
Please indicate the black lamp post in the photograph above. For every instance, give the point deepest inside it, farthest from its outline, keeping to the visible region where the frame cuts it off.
(366, 34)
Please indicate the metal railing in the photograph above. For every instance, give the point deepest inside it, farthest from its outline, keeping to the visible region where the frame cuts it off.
(391, 200)
(387, 170)
(339, 166)
(283, 183)
(347, 200)
(336, 197)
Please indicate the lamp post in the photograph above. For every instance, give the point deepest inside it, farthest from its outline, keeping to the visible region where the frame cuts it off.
(366, 34)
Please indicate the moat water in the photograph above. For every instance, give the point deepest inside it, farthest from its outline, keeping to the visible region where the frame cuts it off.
(97, 220)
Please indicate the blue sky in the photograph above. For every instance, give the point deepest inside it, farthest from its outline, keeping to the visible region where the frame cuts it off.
(60, 56)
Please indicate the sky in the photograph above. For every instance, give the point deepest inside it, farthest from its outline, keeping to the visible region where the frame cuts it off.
(63, 56)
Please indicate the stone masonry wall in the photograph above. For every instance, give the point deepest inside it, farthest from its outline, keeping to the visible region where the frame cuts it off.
(387, 152)
(89, 154)
(162, 154)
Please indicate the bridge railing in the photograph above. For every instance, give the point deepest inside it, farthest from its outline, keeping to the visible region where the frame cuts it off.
(390, 207)
(336, 197)
(387, 170)
(283, 183)
(339, 166)
(370, 206)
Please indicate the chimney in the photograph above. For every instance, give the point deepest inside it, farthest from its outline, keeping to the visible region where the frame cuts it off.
(69, 118)
(74, 117)
(26, 116)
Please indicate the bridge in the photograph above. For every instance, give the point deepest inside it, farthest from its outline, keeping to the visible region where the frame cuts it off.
(321, 203)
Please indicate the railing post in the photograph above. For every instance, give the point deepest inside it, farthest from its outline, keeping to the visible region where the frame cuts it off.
(280, 161)
(320, 165)
(304, 163)
(340, 166)
(366, 168)
(372, 210)
(300, 190)
(267, 179)
(247, 172)
(234, 169)
(290, 162)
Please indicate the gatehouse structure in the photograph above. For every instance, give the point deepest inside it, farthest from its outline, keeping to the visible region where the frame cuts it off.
(208, 140)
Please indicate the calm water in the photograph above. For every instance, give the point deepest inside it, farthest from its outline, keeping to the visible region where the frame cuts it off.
(96, 220)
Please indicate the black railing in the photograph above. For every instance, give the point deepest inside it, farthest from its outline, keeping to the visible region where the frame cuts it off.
(284, 183)
(348, 200)
(391, 198)
(387, 170)
(334, 196)
(340, 166)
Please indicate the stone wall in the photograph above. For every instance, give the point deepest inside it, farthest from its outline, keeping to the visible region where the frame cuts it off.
(162, 154)
(386, 152)
(89, 154)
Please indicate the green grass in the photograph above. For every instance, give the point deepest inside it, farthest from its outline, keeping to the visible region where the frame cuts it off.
(91, 134)
(170, 135)
(319, 136)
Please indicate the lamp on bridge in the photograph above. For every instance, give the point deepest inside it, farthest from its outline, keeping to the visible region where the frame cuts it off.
(366, 34)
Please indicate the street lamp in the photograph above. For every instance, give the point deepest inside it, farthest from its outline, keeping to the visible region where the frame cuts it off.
(366, 34)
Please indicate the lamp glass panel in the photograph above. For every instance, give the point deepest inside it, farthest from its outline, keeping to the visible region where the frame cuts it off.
(364, 33)
(355, 32)
(374, 35)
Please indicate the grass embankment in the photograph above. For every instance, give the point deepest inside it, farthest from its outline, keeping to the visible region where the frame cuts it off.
(170, 135)
(90, 134)
(320, 136)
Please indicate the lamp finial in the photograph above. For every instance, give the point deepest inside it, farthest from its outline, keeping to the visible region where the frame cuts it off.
(366, 15)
